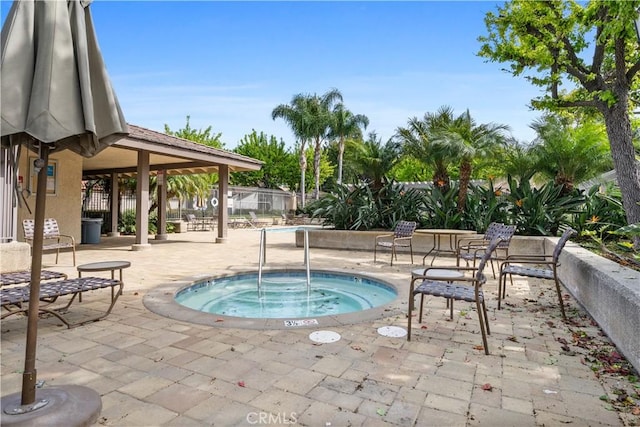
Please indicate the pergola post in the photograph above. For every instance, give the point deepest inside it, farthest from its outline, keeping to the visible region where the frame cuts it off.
(115, 193)
(142, 202)
(162, 205)
(223, 203)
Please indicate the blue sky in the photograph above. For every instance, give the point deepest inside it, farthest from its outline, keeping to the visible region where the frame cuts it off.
(228, 64)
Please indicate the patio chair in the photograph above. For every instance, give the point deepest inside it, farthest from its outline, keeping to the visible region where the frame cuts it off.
(536, 266)
(192, 222)
(401, 237)
(464, 289)
(254, 221)
(472, 249)
(53, 240)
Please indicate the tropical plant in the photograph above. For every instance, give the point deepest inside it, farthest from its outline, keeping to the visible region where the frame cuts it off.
(469, 140)
(319, 112)
(485, 204)
(374, 160)
(363, 208)
(517, 160)
(540, 211)
(440, 208)
(418, 140)
(345, 125)
(296, 114)
(601, 213)
(570, 154)
(553, 41)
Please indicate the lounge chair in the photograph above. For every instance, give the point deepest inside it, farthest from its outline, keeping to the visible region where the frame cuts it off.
(401, 237)
(472, 249)
(53, 240)
(17, 277)
(464, 289)
(257, 222)
(534, 266)
(14, 299)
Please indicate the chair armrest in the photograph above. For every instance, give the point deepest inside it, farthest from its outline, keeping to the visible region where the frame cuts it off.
(515, 258)
(383, 236)
(68, 236)
(403, 238)
(466, 240)
(526, 262)
(453, 268)
(472, 244)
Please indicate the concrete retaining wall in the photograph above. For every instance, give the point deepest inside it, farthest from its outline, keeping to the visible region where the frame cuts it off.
(609, 292)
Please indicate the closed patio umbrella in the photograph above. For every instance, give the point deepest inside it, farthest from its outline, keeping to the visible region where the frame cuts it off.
(55, 95)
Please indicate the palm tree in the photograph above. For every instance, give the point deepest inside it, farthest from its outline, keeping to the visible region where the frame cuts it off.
(296, 116)
(346, 125)
(468, 141)
(319, 112)
(570, 153)
(375, 160)
(420, 139)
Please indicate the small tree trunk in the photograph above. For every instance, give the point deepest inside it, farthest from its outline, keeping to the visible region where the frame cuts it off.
(465, 176)
(303, 169)
(316, 167)
(340, 155)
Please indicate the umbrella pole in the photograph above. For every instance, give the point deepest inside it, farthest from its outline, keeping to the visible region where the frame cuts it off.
(29, 375)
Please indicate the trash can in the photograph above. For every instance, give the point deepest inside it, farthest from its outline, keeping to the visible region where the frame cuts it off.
(90, 232)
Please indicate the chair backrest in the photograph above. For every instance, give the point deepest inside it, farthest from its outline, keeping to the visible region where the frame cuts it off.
(480, 276)
(405, 229)
(51, 229)
(190, 217)
(253, 215)
(568, 233)
(503, 231)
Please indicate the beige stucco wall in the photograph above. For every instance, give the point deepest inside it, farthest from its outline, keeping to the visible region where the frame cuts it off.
(65, 206)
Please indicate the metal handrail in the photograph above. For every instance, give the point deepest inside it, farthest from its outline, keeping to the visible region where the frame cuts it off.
(262, 258)
(307, 260)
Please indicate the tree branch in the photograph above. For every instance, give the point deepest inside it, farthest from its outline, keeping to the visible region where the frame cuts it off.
(635, 68)
(583, 103)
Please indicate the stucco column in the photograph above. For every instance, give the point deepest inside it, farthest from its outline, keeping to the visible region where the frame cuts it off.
(223, 203)
(162, 205)
(115, 193)
(142, 203)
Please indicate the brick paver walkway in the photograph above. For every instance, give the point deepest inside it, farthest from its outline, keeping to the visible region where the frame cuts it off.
(152, 371)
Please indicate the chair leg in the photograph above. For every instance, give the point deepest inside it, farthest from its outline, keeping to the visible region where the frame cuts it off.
(564, 315)
(57, 255)
(500, 288)
(374, 252)
(480, 307)
(73, 248)
(421, 306)
(409, 314)
(411, 250)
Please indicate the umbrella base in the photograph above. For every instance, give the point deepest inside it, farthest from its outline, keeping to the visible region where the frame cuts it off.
(68, 405)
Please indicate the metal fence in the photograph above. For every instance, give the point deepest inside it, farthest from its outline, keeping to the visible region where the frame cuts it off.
(96, 202)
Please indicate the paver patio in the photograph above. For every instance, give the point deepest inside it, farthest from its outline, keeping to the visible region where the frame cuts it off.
(152, 370)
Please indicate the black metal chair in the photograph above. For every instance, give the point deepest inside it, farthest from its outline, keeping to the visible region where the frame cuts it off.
(464, 289)
(536, 266)
(401, 237)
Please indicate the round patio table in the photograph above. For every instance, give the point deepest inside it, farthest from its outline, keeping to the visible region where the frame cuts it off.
(437, 234)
